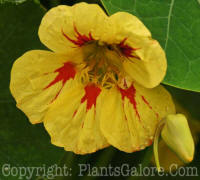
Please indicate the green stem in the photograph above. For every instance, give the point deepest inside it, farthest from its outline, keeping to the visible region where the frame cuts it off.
(155, 144)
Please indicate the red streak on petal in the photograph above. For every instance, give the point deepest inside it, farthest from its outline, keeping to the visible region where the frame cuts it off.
(147, 103)
(127, 50)
(56, 95)
(74, 113)
(91, 94)
(65, 72)
(80, 39)
(130, 94)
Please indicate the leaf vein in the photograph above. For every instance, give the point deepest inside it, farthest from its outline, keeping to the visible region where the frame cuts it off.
(168, 23)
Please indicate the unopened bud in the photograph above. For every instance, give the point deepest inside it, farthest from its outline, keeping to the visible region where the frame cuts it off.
(176, 134)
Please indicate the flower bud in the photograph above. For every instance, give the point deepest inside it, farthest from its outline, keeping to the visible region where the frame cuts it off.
(176, 134)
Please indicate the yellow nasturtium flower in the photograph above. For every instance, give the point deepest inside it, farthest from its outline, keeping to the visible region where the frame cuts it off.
(97, 87)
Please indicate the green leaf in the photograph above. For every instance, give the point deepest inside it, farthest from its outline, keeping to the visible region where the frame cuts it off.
(22, 144)
(187, 99)
(12, 1)
(176, 25)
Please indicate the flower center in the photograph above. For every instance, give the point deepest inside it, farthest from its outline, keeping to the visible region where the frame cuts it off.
(103, 63)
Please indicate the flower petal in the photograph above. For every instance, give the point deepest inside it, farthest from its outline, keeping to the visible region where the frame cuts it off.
(142, 57)
(126, 24)
(63, 26)
(129, 117)
(37, 78)
(71, 121)
(151, 68)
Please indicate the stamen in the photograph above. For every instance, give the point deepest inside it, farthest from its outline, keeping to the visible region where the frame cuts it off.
(84, 76)
(108, 80)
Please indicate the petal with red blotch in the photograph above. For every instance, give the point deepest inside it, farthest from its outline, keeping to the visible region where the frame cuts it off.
(72, 120)
(150, 69)
(65, 27)
(37, 78)
(143, 58)
(128, 118)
